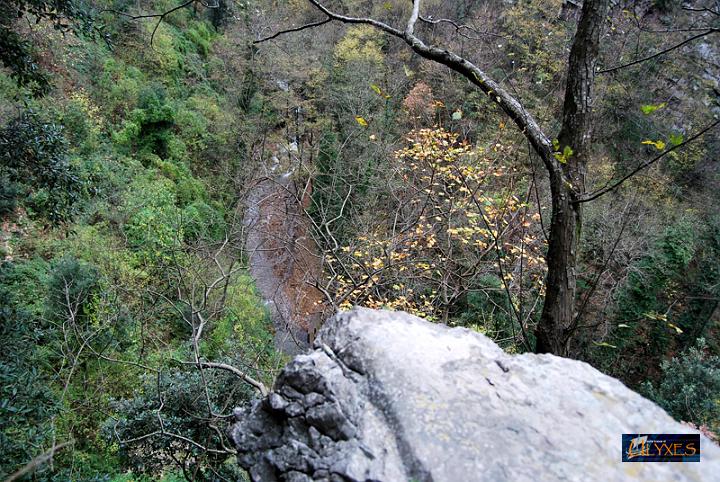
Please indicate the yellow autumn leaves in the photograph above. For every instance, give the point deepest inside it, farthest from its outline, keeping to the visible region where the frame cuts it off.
(456, 216)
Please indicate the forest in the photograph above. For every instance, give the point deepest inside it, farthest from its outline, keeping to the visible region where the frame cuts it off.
(544, 172)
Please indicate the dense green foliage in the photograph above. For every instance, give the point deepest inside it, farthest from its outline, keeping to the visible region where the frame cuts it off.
(689, 386)
(116, 194)
(18, 53)
(650, 321)
(124, 167)
(35, 165)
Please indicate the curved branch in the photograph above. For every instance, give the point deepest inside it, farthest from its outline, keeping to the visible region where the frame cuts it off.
(260, 386)
(662, 52)
(345, 19)
(160, 16)
(509, 104)
(164, 433)
(31, 466)
(644, 165)
(704, 9)
(458, 27)
(294, 29)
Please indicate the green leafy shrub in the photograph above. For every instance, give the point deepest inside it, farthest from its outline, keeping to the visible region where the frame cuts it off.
(118, 88)
(9, 192)
(165, 58)
(652, 316)
(131, 151)
(18, 53)
(187, 188)
(82, 123)
(245, 331)
(185, 413)
(34, 156)
(148, 129)
(71, 286)
(153, 224)
(201, 36)
(27, 399)
(20, 56)
(202, 221)
(689, 388)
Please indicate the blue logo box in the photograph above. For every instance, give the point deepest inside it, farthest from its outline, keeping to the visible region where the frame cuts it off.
(660, 447)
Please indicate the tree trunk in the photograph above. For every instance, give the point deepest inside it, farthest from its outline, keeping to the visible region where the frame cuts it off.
(557, 321)
(552, 333)
(567, 172)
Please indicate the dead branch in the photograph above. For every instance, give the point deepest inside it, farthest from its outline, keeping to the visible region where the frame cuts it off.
(35, 463)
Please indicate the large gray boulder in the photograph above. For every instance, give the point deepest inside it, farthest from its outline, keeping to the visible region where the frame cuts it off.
(387, 396)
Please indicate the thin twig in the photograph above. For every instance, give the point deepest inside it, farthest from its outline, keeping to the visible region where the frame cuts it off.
(229, 368)
(459, 27)
(38, 461)
(160, 16)
(644, 165)
(662, 52)
(294, 29)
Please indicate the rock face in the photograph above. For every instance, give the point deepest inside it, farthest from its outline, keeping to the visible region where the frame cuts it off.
(282, 261)
(386, 396)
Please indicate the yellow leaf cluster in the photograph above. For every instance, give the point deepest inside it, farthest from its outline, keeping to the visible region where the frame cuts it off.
(461, 216)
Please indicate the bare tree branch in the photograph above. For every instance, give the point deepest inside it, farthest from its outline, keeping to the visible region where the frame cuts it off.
(459, 27)
(410, 29)
(645, 165)
(662, 52)
(704, 9)
(294, 29)
(31, 466)
(235, 371)
(346, 19)
(160, 16)
(515, 312)
(593, 287)
(509, 104)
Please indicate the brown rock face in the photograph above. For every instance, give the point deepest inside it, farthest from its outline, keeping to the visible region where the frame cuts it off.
(284, 261)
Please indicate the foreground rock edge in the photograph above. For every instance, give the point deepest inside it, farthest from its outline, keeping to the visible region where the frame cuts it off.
(388, 396)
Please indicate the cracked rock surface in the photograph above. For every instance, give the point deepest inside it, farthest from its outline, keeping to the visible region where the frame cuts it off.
(386, 396)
